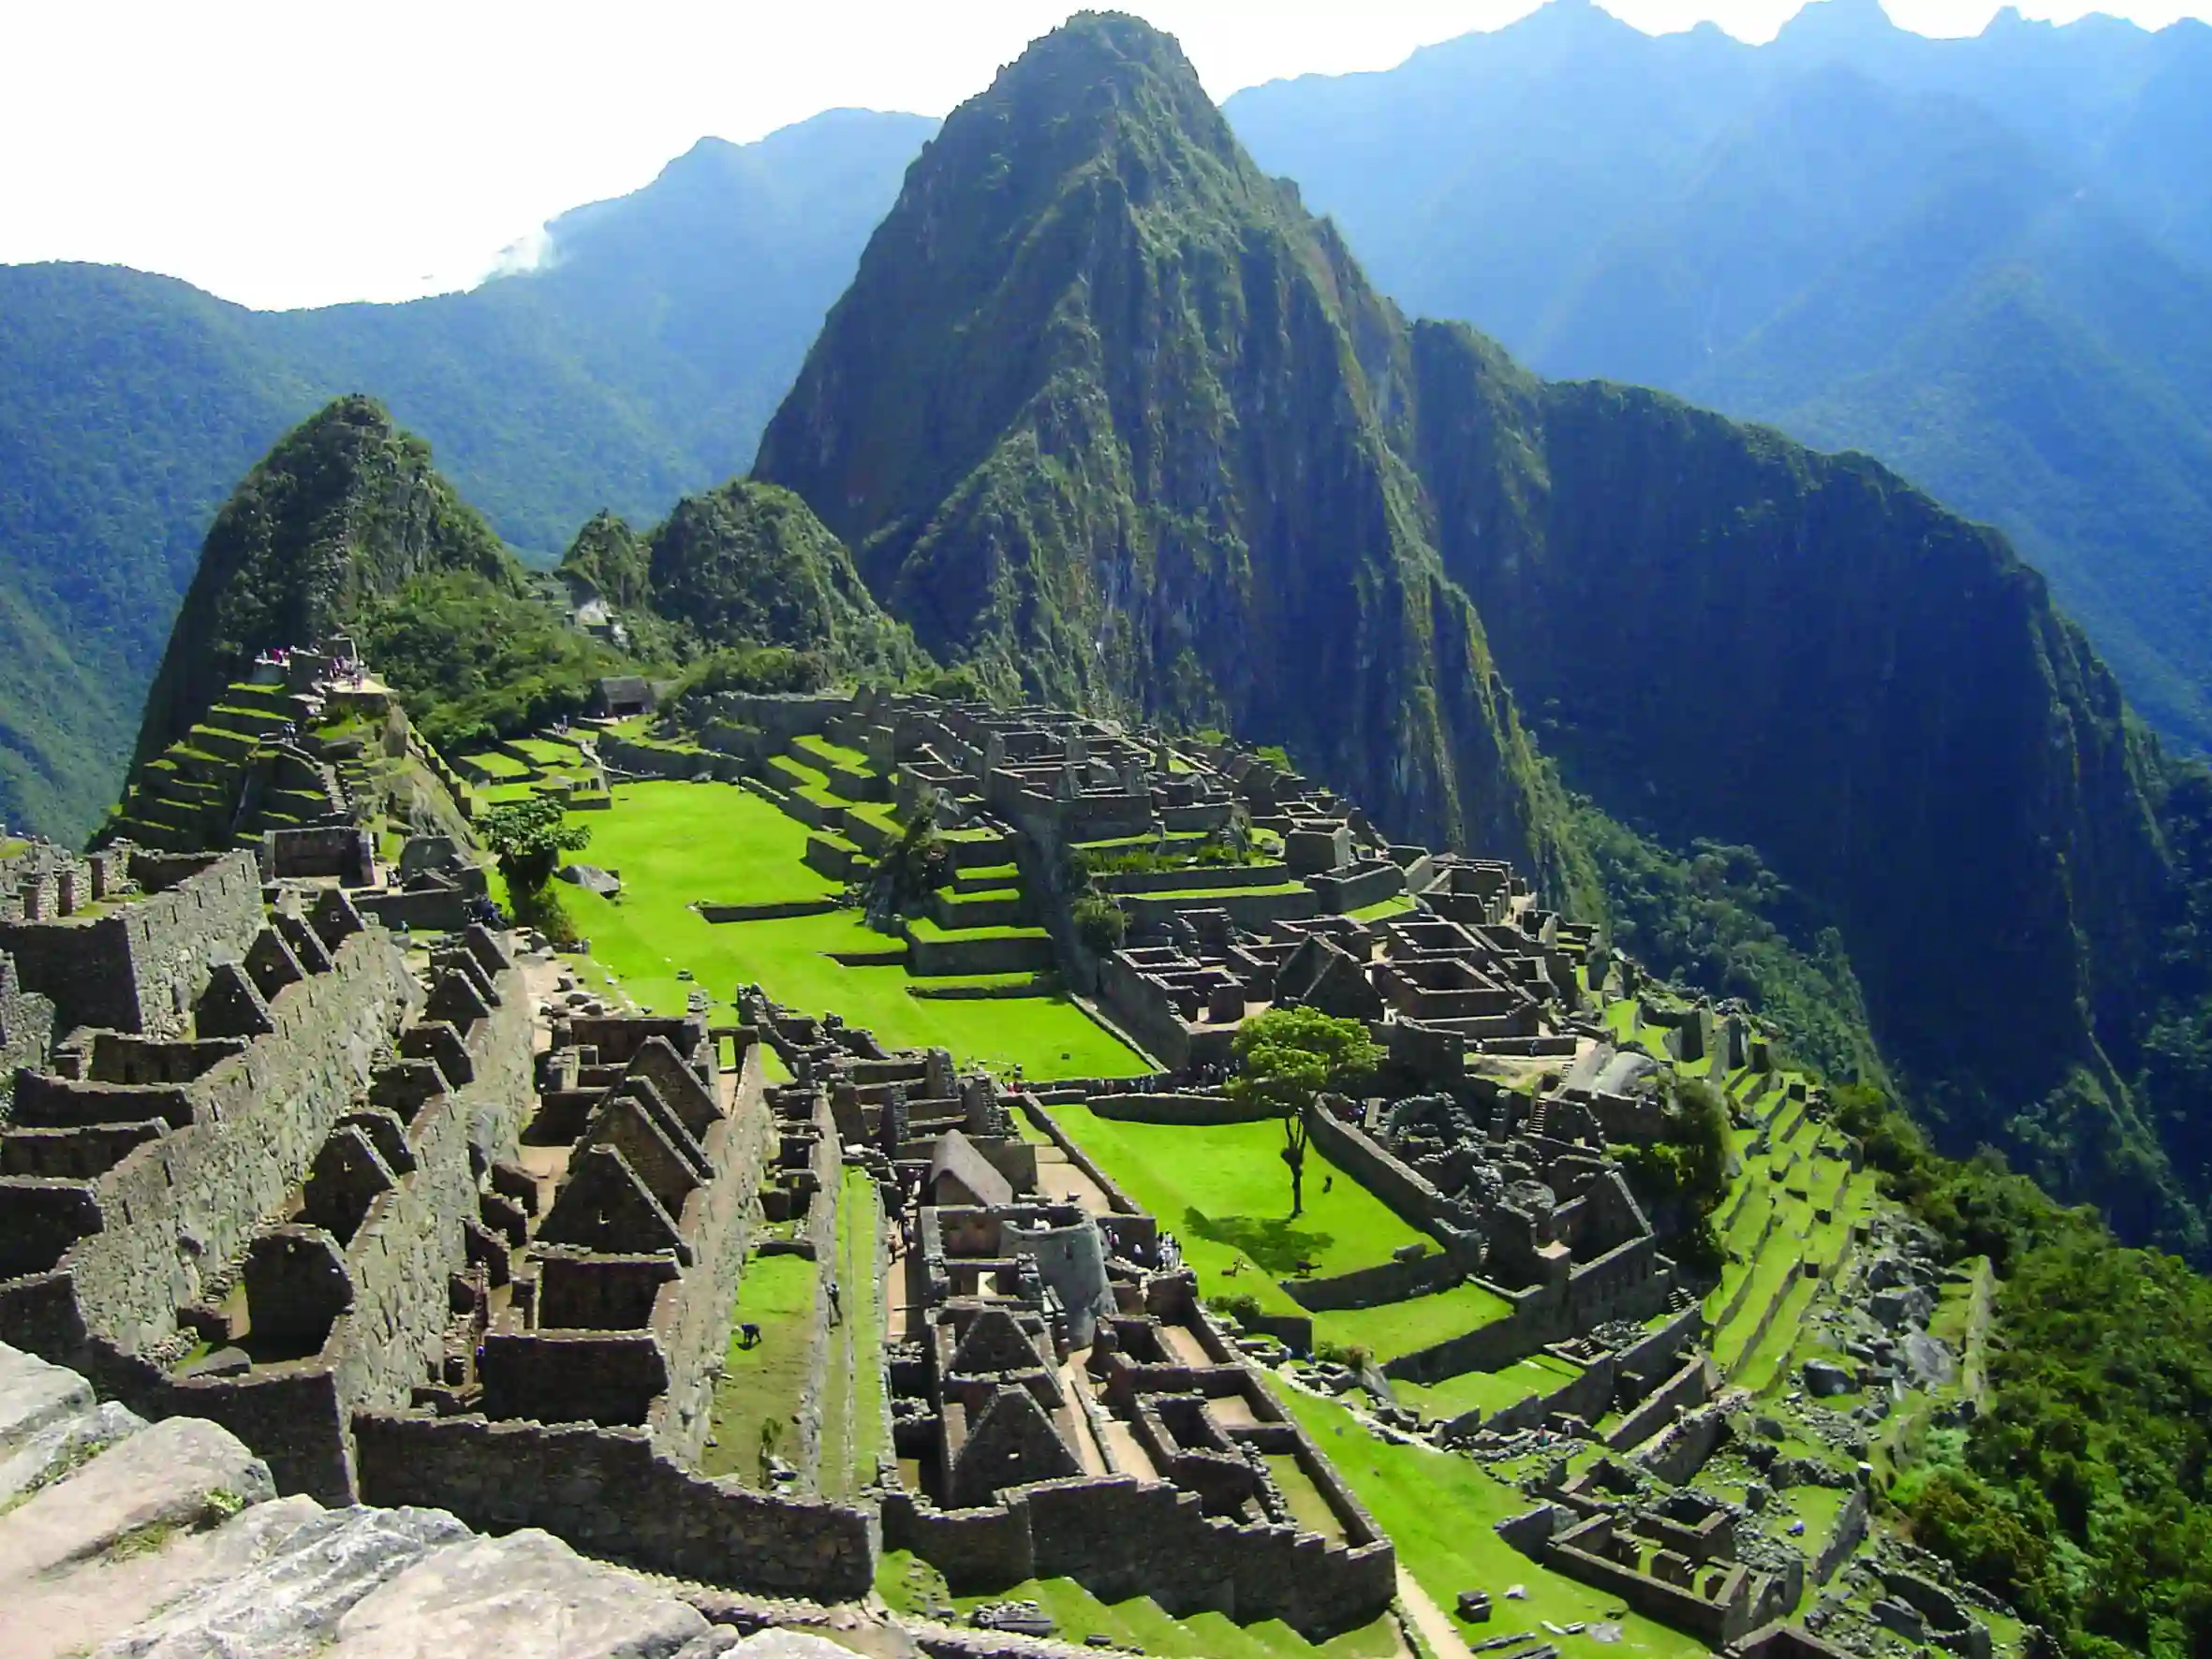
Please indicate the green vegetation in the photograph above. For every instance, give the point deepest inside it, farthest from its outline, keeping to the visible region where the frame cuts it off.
(1286, 1057)
(346, 511)
(757, 1396)
(1718, 919)
(527, 838)
(2081, 1492)
(1219, 1188)
(748, 565)
(1686, 1169)
(852, 1399)
(1439, 1511)
(912, 1586)
(679, 844)
(1370, 621)
(1580, 191)
(638, 363)
(975, 498)
(475, 661)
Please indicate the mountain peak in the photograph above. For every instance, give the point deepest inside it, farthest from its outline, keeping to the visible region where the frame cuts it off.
(1830, 23)
(345, 509)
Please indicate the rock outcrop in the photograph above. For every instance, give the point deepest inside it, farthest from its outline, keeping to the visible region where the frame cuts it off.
(168, 1543)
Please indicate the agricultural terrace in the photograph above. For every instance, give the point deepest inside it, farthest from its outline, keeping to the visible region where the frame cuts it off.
(677, 844)
(1137, 1625)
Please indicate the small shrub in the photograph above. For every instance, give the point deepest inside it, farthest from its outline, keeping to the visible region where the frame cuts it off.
(1099, 923)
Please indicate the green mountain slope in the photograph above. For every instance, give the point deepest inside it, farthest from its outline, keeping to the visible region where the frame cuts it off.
(1100, 413)
(337, 520)
(1985, 261)
(745, 564)
(639, 362)
(1108, 414)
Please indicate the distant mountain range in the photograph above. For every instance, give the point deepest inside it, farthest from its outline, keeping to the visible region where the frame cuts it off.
(639, 362)
(1987, 261)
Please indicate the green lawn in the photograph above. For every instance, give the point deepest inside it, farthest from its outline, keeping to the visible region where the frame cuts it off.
(676, 843)
(493, 764)
(549, 751)
(1397, 904)
(853, 1404)
(758, 1391)
(1417, 1322)
(1222, 1189)
(1440, 1509)
(1486, 1390)
(819, 750)
(924, 927)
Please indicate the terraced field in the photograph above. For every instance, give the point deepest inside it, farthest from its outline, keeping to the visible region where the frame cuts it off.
(678, 843)
(1139, 1623)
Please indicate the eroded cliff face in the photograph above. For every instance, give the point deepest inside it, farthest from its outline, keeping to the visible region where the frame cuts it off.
(1108, 414)
(1733, 638)
(345, 509)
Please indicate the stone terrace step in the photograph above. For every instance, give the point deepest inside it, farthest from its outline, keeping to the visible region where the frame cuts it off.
(227, 745)
(991, 908)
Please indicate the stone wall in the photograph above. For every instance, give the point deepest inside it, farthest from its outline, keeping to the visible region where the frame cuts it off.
(1374, 1287)
(1410, 1196)
(987, 953)
(1252, 911)
(657, 760)
(178, 1209)
(1682, 1450)
(1355, 889)
(140, 967)
(1120, 1202)
(1118, 1536)
(1848, 1533)
(609, 1493)
(1193, 1109)
(692, 1318)
(27, 1029)
(1691, 1386)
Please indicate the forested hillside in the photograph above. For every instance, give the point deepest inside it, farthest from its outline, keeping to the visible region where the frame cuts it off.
(1988, 261)
(639, 362)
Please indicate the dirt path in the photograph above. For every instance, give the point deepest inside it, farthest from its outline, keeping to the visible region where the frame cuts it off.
(1436, 1628)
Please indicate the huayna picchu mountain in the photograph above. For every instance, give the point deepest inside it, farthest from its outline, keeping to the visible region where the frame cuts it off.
(1106, 414)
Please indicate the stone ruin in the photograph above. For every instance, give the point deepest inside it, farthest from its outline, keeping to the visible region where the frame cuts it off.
(416, 1241)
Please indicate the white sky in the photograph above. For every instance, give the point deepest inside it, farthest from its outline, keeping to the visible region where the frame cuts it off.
(303, 151)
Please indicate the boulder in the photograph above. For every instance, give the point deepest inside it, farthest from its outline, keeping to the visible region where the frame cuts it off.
(1824, 1377)
(276, 1581)
(1929, 1359)
(175, 1475)
(525, 1596)
(35, 1396)
(591, 878)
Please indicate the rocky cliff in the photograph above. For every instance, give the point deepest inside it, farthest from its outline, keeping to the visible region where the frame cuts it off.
(1106, 413)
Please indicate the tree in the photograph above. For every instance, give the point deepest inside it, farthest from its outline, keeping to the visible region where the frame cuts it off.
(527, 838)
(1287, 1056)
